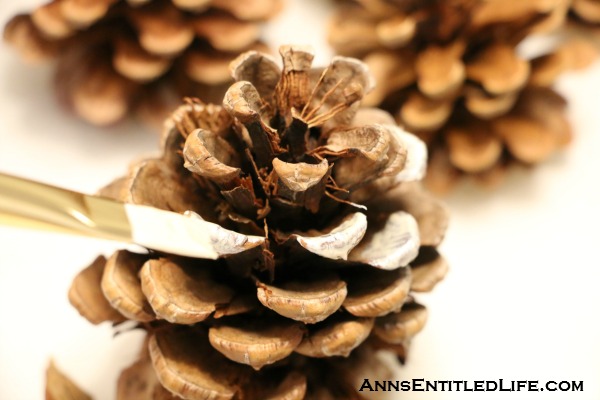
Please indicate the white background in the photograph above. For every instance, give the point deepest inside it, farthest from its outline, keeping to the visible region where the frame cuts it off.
(521, 300)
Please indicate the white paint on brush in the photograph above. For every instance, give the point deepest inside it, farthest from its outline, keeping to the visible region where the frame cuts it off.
(185, 234)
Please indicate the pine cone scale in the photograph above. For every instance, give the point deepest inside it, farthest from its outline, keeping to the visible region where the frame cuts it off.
(186, 365)
(182, 294)
(336, 339)
(382, 293)
(308, 301)
(134, 62)
(120, 285)
(256, 344)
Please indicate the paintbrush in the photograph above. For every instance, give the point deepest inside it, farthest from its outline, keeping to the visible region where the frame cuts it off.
(29, 204)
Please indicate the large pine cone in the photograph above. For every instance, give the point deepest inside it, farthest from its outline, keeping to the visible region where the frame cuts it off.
(321, 235)
(451, 71)
(115, 56)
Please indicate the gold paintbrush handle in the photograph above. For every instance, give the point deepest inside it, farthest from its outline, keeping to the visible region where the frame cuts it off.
(31, 204)
(17, 221)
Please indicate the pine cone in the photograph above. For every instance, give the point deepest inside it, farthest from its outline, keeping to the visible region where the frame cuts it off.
(451, 72)
(317, 213)
(585, 17)
(115, 56)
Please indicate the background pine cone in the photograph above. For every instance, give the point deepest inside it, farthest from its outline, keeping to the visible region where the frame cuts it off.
(585, 16)
(115, 56)
(321, 231)
(453, 72)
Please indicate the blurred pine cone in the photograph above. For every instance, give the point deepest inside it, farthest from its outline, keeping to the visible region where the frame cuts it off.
(585, 16)
(452, 72)
(116, 56)
(317, 213)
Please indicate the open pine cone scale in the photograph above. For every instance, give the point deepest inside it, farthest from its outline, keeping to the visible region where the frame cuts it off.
(585, 18)
(319, 229)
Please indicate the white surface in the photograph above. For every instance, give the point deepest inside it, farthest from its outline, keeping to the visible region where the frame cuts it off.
(521, 300)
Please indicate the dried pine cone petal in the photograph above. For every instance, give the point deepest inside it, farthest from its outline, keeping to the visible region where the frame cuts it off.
(306, 300)
(314, 216)
(574, 54)
(430, 214)
(452, 72)
(498, 70)
(92, 88)
(484, 106)
(87, 297)
(392, 242)
(208, 155)
(135, 63)
(424, 114)
(139, 381)
(540, 123)
(341, 377)
(257, 343)
(189, 368)
(472, 148)
(240, 304)
(120, 56)
(60, 387)
(121, 286)
(585, 19)
(335, 337)
(428, 269)
(292, 386)
(440, 70)
(180, 293)
(337, 240)
(377, 293)
(260, 69)
(31, 44)
(151, 182)
(588, 9)
(401, 326)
